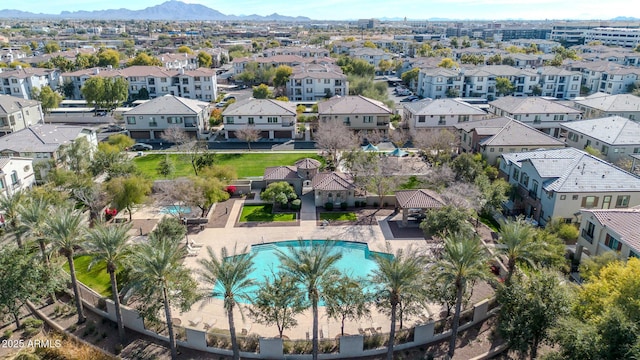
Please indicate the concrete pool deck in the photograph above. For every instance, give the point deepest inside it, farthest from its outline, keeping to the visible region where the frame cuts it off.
(211, 312)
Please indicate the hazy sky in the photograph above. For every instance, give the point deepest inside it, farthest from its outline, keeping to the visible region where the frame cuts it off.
(355, 9)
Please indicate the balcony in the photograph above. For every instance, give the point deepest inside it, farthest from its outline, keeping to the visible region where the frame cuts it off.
(382, 123)
(585, 235)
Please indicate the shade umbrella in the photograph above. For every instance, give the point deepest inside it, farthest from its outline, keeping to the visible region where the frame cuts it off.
(398, 153)
(370, 148)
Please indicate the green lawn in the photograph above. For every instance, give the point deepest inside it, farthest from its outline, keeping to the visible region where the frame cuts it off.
(97, 278)
(246, 164)
(263, 213)
(338, 216)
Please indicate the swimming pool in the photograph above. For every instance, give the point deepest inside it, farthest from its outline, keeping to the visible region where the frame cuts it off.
(175, 209)
(357, 260)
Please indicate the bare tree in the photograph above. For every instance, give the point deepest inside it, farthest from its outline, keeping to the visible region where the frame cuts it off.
(248, 134)
(372, 173)
(92, 198)
(437, 144)
(192, 147)
(372, 136)
(399, 137)
(176, 135)
(333, 136)
(463, 195)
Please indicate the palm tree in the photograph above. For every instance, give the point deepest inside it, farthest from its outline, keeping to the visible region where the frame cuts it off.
(395, 278)
(518, 245)
(229, 274)
(156, 270)
(66, 233)
(108, 244)
(310, 264)
(464, 260)
(34, 214)
(9, 206)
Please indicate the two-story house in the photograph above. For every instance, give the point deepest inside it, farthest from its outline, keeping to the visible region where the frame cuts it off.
(273, 118)
(149, 119)
(542, 114)
(356, 112)
(603, 230)
(16, 174)
(45, 144)
(439, 113)
(558, 183)
(600, 105)
(615, 137)
(17, 113)
(312, 82)
(515, 136)
(471, 134)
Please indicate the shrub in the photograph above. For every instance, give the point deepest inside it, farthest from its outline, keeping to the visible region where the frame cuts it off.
(31, 323)
(296, 204)
(7, 334)
(343, 206)
(231, 189)
(328, 206)
(568, 232)
(72, 328)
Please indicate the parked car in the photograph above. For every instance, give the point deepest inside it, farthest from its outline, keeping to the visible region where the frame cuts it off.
(140, 147)
(221, 104)
(112, 128)
(410, 98)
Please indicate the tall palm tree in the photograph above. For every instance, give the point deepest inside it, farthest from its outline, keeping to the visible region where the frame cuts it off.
(9, 205)
(34, 214)
(397, 277)
(229, 274)
(310, 264)
(66, 233)
(156, 269)
(463, 261)
(517, 244)
(108, 244)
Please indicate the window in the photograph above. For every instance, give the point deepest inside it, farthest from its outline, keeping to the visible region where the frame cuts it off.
(606, 202)
(534, 187)
(463, 118)
(229, 119)
(633, 254)
(174, 120)
(572, 136)
(491, 149)
(622, 201)
(563, 197)
(131, 120)
(14, 178)
(272, 120)
(536, 119)
(185, 81)
(612, 243)
(516, 172)
(500, 150)
(367, 119)
(1, 184)
(250, 121)
(589, 202)
(309, 81)
(152, 122)
(558, 117)
(604, 150)
(421, 119)
(574, 197)
(524, 179)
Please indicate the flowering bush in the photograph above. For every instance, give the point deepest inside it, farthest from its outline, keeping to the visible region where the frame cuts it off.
(110, 213)
(231, 190)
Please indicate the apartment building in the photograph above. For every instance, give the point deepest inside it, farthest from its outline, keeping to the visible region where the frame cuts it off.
(439, 113)
(614, 136)
(313, 82)
(625, 37)
(559, 183)
(273, 118)
(16, 174)
(539, 113)
(199, 84)
(17, 113)
(438, 83)
(356, 112)
(600, 105)
(19, 82)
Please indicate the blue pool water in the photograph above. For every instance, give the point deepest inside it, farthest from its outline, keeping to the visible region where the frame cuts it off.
(357, 260)
(174, 210)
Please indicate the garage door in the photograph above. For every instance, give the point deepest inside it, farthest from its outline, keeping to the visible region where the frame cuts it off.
(231, 134)
(264, 134)
(282, 134)
(140, 134)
